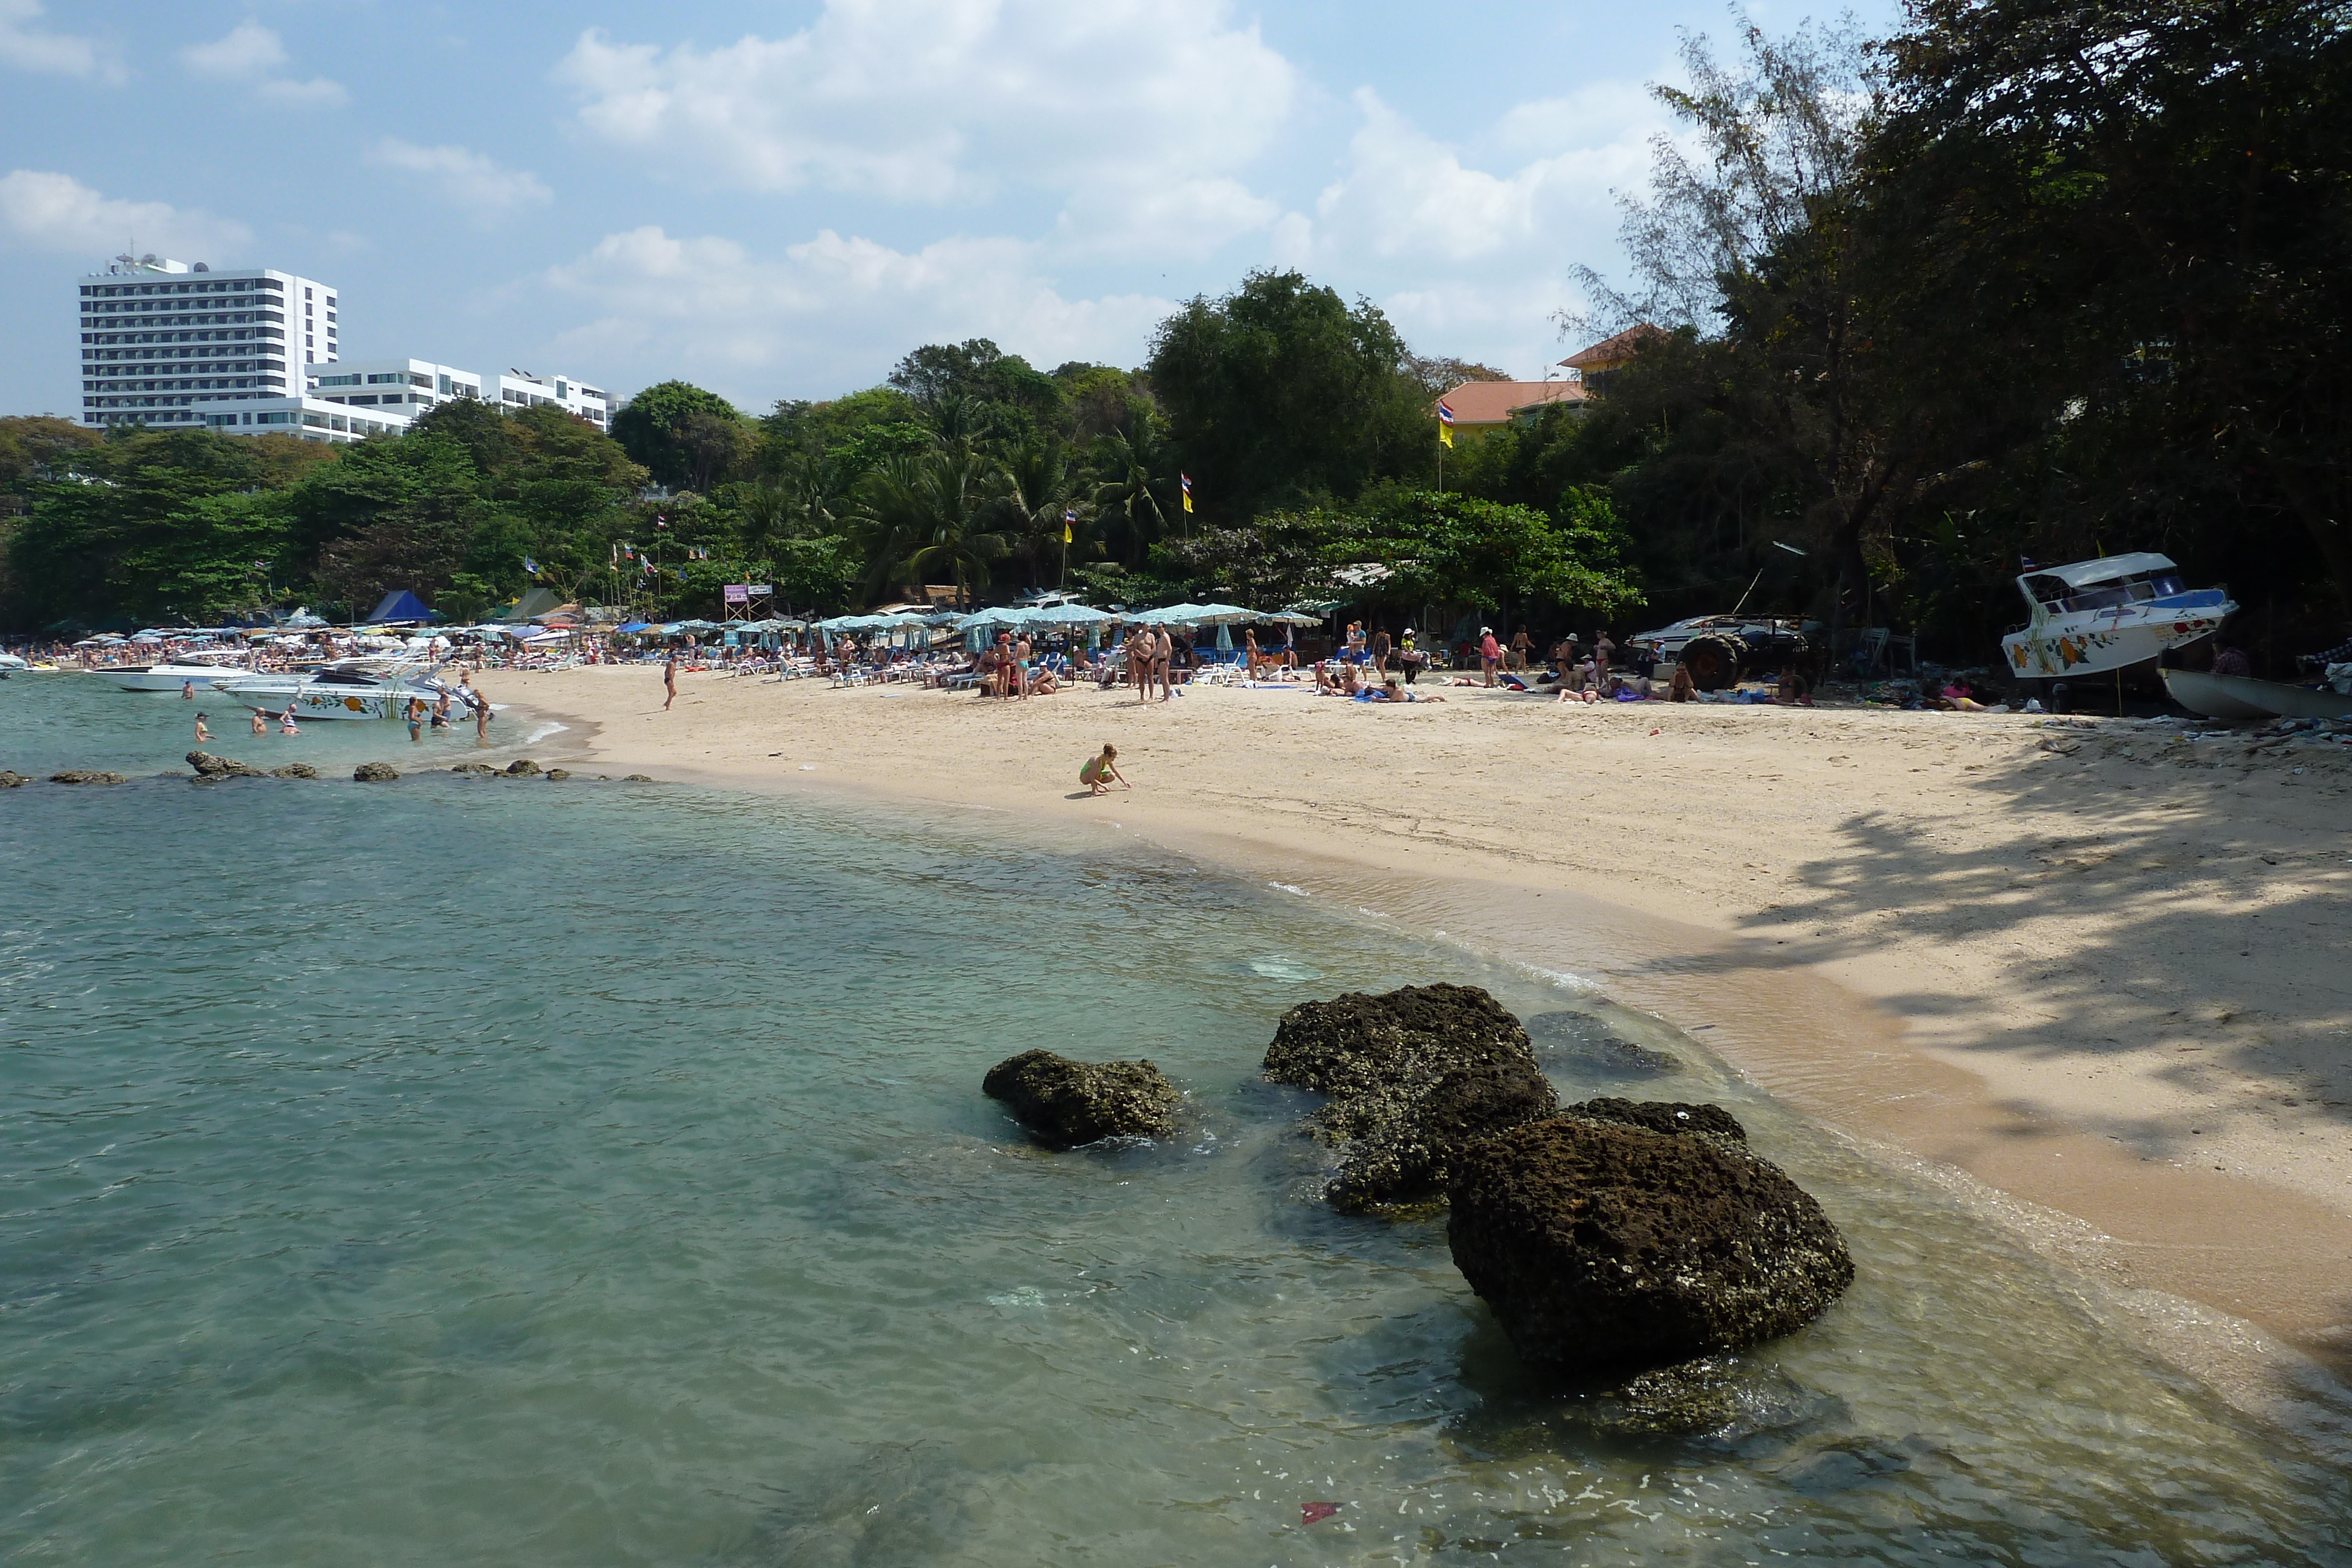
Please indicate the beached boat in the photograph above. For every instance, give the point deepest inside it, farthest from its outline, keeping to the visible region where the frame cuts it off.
(346, 688)
(2096, 616)
(173, 676)
(2244, 697)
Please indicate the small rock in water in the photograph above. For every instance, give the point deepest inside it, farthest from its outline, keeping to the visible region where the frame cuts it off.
(637, 779)
(1662, 1116)
(522, 767)
(373, 773)
(482, 769)
(208, 765)
(294, 770)
(85, 776)
(557, 775)
(1599, 1246)
(12, 780)
(1414, 1075)
(1583, 1041)
(1066, 1104)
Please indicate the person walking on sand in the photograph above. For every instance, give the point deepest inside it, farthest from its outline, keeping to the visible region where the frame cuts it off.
(1099, 771)
(1521, 646)
(669, 680)
(1381, 646)
(1163, 656)
(1490, 653)
(202, 732)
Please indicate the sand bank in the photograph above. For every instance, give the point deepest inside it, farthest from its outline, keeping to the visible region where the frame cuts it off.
(2105, 973)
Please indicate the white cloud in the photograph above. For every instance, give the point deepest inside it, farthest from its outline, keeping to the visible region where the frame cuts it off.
(250, 52)
(50, 212)
(316, 93)
(29, 48)
(466, 178)
(1103, 102)
(249, 49)
(830, 314)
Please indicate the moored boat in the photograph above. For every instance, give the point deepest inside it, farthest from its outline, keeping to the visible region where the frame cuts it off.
(347, 688)
(172, 675)
(2096, 616)
(2244, 697)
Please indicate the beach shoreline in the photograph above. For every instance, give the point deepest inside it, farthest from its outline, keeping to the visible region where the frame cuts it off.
(1989, 948)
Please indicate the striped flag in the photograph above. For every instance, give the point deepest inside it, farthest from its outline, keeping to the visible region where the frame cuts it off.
(1444, 422)
(1186, 481)
(1070, 520)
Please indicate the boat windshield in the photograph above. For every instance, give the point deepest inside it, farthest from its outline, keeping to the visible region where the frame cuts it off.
(2110, 595)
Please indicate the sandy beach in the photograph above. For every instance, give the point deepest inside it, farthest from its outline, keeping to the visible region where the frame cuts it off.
(2096, 969)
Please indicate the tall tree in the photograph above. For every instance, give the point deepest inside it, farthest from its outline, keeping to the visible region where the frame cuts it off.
(682, 436)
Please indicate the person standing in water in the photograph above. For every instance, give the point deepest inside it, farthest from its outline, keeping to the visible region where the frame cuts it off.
(202, 732)
(188, 691)
(261, 722)
(415, 719)
(481, 715)
(285, 721)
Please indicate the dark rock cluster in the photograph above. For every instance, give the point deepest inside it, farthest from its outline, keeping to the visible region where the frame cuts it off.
(375, 773)
(86, 776)
(294, 770)
(11, 780)
(1604, 1245)
(522, 767)
(208, 765)
(1066, 1104)
(1415, 1076)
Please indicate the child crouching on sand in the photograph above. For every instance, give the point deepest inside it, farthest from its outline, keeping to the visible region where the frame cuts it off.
(1099, 771)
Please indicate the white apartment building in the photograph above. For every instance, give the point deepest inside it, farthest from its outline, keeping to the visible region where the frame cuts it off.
(258, 352)
(411, 386)
(521, 388)
(161, 339)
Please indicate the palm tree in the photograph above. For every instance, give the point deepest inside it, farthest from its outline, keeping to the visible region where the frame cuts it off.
(1039, 490)
(929, 513)
(1137, 485)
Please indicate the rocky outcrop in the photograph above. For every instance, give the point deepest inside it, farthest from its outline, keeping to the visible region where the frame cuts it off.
(1414, 1075)
(557, 775)
(522, 767)
(207, 766)
(1605, 1245)
(1663, 1116)
(86, 776)
(479, 769)
(294, 770)
(375, 773)
(637, 779)
(1066, 1104)
(10, 780)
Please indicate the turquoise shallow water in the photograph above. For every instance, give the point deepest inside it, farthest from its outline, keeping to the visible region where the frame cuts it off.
(493, 1172)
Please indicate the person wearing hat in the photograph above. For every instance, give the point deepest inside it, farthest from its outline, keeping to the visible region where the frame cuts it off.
(1490, 653)
(1410, 655)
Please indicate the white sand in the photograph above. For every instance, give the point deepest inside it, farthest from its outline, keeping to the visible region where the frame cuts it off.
(2114, 983)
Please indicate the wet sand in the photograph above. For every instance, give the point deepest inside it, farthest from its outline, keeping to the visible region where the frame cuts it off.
(2101, 974)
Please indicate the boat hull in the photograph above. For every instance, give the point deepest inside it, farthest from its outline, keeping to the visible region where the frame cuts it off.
(170, 679)
(2098, 643)
(2243, 696)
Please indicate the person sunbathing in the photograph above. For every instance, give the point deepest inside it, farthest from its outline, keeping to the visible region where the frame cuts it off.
(1394, 692)
(1577, 693)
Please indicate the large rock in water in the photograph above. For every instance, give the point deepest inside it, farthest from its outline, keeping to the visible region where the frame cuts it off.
(375, 773)
(1065, 1103)
(1604, 1247)
(1414, 1076)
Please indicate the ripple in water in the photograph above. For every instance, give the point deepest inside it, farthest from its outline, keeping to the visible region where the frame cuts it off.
(437, 1175)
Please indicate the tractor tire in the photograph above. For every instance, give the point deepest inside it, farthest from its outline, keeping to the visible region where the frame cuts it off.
(1713, 661)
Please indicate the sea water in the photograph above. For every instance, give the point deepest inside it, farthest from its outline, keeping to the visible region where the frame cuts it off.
(501, 1172)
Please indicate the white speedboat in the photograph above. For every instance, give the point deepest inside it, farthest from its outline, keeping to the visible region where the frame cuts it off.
(346, 688)
(2095, 616)
(173, 676)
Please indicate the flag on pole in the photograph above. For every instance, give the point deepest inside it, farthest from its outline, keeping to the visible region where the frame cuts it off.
(530, 566)
(1445, 422)
(661, 522)
(1186, 481)
(1070, 518)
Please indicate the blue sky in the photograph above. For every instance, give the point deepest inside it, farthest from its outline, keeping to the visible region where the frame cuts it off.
(779, 200)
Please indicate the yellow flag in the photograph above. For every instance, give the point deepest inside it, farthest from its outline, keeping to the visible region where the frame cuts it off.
(1444, 422)
(1184, 482)
(1066, 533)
(1446, 436)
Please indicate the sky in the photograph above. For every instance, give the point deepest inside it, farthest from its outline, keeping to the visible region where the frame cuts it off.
(777, 201)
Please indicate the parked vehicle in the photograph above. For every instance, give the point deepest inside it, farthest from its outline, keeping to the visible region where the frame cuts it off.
(1719, 650)
(2095, 616)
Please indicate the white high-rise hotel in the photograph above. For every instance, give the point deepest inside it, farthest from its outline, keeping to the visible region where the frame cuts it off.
(258, 352)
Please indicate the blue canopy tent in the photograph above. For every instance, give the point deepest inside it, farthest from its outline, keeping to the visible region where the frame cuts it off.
(400, 605)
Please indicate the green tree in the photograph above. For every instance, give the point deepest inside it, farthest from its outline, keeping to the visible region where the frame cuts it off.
(1136, 490)
(1280, 393)
(931, 515)
(681, 434)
